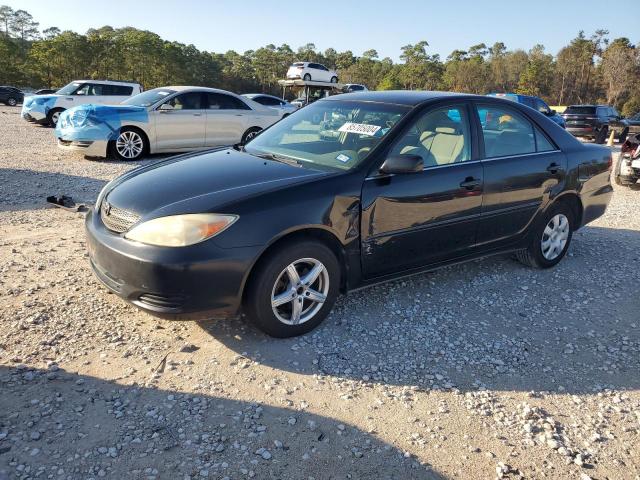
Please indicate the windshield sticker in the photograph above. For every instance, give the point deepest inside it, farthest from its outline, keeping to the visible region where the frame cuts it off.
(343, 158)
(360, 128)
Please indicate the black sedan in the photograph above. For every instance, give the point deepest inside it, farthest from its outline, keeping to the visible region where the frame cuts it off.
(11, 95)
(409, 181)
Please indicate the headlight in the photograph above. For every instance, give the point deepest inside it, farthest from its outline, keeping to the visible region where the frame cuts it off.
(180, 230)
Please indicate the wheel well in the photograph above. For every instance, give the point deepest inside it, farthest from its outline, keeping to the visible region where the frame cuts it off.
(308, 234)
(573, 202)
(145, 138)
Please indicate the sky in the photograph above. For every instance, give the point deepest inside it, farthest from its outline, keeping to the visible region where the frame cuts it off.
(386, 26)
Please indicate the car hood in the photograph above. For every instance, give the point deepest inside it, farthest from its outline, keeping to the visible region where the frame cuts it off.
(39, 100)
(201, 183)
(98, 122)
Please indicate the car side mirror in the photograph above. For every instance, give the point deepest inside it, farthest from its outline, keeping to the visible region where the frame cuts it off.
(402, 164)
(552, 111)
(166, 106)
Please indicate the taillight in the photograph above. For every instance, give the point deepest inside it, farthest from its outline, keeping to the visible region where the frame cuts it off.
(300, 68)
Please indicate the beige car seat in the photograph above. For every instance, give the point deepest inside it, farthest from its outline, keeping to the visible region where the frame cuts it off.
(441, 141)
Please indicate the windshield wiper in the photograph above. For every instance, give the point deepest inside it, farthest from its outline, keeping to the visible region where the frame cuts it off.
(279, 158)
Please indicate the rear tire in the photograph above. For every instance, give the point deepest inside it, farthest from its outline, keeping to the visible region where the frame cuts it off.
(307, 77)
(550, 238)
(12, 102)
(283, 304)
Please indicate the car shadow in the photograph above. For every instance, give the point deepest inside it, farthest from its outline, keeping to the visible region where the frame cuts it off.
(79, 426)
(491, 323)
(28, 189)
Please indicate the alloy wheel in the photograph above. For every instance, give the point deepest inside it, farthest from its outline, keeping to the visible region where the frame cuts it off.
(555, 236)
(55, 116)
(12, 102)
(300, 291)
(129, 145)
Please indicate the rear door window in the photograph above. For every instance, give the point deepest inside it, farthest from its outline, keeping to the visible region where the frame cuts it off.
(505, 132)
(220, 101)
(543, 144)
(268, 101)
(118, 90)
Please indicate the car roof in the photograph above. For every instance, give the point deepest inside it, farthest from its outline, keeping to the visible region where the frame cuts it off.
(107, 82)
(182, 88)
(399, 97)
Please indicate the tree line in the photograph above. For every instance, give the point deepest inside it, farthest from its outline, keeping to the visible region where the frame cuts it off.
(590, 69)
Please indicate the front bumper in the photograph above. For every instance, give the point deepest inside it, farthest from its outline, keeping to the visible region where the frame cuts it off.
(34, 116)
(199, 282)
(95, 148)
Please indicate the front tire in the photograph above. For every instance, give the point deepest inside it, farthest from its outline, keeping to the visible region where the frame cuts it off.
(334, 79)
(250, 135)
(129, 145)
(623, 135)
(53, 116)
(601, 136)
(293, 289)
(550, 238)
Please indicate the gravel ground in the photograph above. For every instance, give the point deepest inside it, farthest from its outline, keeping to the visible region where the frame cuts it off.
(484, 370)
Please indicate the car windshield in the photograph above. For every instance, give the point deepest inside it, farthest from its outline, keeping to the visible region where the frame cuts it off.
(148, 98)
(581, 110)
(329, 134)
(69, 89)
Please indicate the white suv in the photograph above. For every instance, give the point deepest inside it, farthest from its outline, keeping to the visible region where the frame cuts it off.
(46, 109)
(312, 72)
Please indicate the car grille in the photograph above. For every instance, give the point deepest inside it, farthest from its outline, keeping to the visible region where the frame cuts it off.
(117, 219)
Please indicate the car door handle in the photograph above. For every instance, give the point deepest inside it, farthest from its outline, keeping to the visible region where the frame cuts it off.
(553, 168)
(470, 183)
(197, 114)
(239, 115)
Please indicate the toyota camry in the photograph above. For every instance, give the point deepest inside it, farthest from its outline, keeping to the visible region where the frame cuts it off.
(405, 182)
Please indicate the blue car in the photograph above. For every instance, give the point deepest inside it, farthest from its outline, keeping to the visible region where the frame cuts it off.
(534, 102)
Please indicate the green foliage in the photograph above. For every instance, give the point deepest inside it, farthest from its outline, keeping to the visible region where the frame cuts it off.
(631, 107)
(588, 69)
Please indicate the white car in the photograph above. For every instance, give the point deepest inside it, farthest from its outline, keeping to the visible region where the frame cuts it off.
(354, 87)
(163, 120)
(312, 72)
(278, 104)
(46, 109)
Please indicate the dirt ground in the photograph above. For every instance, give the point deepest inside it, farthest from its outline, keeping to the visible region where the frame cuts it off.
(484, 370)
